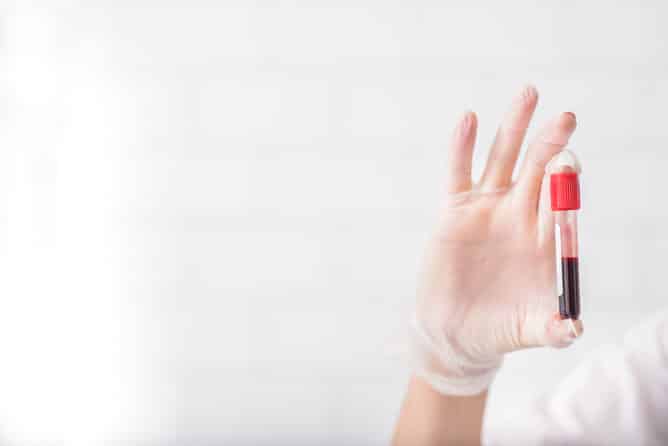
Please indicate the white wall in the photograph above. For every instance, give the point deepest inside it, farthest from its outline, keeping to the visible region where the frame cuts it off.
(214, 214)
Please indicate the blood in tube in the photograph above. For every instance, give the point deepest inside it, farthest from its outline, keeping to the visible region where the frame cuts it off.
(565, 199)
(569, 301)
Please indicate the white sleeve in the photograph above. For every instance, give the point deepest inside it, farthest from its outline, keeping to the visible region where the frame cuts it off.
(617, 397)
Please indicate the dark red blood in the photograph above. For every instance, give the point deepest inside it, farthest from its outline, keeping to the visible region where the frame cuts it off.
(569, 301)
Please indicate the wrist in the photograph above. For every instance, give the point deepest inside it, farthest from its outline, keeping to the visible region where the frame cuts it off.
(429, 417)
(447, 370)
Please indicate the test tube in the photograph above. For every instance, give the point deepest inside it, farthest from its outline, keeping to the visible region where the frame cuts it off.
(564, 172)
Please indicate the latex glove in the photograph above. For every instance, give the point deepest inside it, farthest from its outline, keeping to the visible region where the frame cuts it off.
(489, 282)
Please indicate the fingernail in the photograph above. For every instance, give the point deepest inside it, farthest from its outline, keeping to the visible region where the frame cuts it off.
(465, 123)
(559, 131)
(564, 331)
(568, 120)
(529, 94)
(573, 329)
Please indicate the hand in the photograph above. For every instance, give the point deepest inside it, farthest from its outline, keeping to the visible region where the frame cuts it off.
(489, 284)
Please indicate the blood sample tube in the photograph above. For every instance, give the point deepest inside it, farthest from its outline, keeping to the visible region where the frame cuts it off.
(564, 172)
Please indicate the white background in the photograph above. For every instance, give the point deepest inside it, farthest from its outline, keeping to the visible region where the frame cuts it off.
(213, 214)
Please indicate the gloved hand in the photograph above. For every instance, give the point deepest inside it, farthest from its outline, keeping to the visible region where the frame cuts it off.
(489, 282)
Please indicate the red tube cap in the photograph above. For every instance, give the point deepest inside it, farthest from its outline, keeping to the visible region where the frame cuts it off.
(565, 191)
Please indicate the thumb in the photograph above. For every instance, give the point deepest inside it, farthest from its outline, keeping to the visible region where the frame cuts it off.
(551, 330)
(561, 333)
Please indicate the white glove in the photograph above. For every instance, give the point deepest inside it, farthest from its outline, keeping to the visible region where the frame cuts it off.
(489, 282)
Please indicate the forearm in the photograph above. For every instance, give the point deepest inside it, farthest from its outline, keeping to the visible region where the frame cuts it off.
(429, 418)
